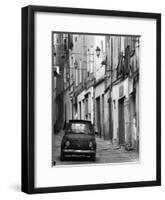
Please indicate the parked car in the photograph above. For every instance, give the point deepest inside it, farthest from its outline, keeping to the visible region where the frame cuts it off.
(79, 139)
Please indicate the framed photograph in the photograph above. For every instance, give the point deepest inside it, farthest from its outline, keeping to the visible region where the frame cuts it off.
(91, 99)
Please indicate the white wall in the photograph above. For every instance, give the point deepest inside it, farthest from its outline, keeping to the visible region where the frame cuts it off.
(10, 111)
(80, 98)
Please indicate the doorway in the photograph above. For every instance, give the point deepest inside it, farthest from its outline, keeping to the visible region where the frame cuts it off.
(121, 122)
(98, 117)
(110, 119)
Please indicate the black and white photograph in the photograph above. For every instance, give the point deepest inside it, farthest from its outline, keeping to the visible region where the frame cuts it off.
(91, 99)
(95, 98)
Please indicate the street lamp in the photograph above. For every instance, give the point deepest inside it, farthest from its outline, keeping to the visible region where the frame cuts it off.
(56, 71)
(98, 50)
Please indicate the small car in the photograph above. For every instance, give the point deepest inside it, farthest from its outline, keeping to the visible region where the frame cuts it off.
(79, 139)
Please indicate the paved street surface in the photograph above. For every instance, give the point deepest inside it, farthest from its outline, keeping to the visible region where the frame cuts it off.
(106, 153)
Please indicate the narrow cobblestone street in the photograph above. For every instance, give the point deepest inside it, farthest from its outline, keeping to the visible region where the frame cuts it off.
(106, 153)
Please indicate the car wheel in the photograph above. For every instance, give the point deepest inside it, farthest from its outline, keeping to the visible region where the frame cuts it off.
(62, 157)
(93, 157)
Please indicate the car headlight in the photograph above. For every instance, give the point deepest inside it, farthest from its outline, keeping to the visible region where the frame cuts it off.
(67, 143)
(91, 145)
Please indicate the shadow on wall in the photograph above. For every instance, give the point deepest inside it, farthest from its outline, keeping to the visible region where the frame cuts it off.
(15, 187)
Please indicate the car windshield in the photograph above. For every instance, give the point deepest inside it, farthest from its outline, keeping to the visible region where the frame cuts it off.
(80, 128)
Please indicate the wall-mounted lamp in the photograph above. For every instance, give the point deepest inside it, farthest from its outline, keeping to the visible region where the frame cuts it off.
(98, 50)
(76, 64)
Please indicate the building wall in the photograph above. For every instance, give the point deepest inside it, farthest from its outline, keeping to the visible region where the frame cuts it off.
(83, 54)
(81, 68)
(99, 67)
(81, 101)
(116, 96)
(99, 109)
(131, 110)
(58, 114)
(68, 107)
(106, 116)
